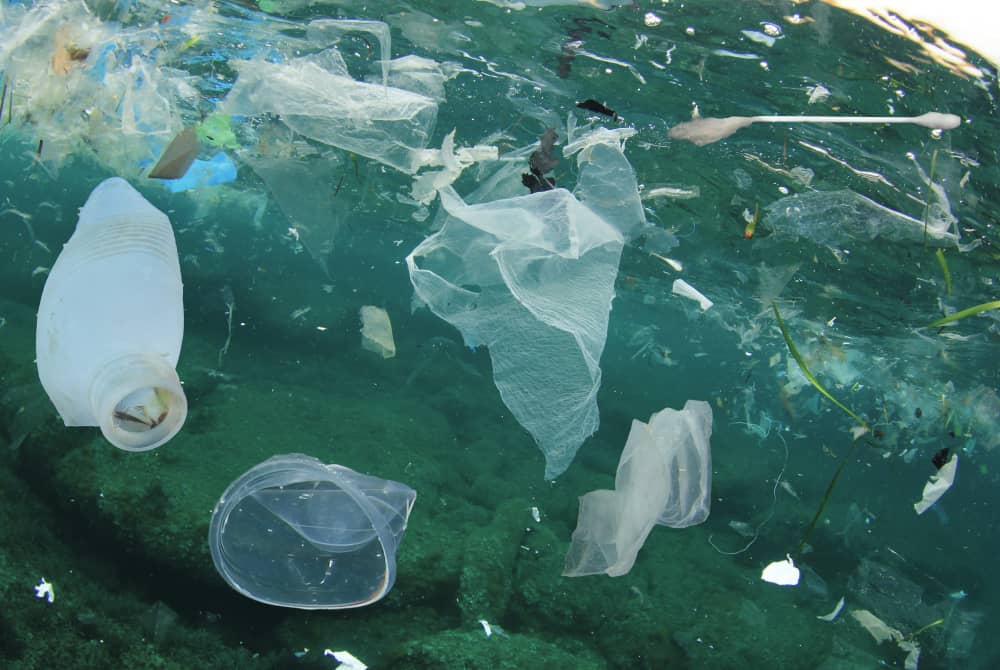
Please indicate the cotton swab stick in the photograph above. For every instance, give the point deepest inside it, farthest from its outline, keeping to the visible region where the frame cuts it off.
(707, 130)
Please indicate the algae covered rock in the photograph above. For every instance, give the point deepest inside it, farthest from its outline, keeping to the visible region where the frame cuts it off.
(473, 650)
(490, 559)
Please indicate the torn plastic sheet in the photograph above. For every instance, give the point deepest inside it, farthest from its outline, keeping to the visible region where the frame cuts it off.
(937, 484)
(329, 31)
(305, 191)
(422, 75)
(835, 218)
(312, 98)
(882, 631)
(597, 136)
(427, 184)
(607, 185)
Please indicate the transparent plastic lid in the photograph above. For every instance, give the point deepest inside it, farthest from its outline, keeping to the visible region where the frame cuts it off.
(294, 532)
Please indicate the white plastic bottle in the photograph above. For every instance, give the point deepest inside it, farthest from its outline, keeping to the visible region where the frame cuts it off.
(111, 320)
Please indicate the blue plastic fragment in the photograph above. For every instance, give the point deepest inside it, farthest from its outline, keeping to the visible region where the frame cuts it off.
(220, 169)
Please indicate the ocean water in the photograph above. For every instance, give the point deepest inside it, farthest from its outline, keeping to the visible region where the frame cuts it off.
(861, 236)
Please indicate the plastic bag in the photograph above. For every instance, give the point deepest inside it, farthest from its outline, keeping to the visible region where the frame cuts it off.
(532, 278)
(314, 97)
(664, 477)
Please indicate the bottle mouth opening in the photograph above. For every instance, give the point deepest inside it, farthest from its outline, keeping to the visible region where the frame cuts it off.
(139, 413)
(143, 410)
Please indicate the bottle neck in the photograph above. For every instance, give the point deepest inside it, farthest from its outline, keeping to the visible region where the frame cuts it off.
(138, 402)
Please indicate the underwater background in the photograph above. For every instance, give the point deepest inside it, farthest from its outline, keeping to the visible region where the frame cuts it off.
(282, 239)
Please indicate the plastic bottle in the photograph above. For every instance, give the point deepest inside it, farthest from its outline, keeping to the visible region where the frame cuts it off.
(111, 320)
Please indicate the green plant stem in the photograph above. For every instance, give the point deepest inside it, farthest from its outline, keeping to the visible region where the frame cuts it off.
(944, 270)
(805, 370)
(993, 304)
(826, 498)
(921, 630)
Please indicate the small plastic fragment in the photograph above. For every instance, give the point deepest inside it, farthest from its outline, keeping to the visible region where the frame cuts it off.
(220, 169)
(346, 660)
(782, 573)
(178, 155)
(46, 591)
(376, 331)
(937, 484)
(685, 290)
(835, 613)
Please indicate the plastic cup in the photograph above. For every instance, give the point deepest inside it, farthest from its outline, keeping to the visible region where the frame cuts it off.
(294, 532)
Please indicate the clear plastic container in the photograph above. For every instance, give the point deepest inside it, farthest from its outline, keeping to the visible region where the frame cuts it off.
(294, 532)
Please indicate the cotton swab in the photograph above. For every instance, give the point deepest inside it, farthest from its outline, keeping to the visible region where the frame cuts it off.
(707, 130)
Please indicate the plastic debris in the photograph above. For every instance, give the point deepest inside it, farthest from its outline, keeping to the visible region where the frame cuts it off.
(422, 75)
(216, 130)
(937, 484)
(305, 191)
(427, 184)
(592, 105)
(314, 96)
(835, 613)
(664, 478)
(607, 185)
(46, 591)
(220, 169)
(294, 532)
(98, 365)
(782, 573)
(832, 218)
(685, 290)
(178, 156)
(346, 660)
(376, 331)
(543, 268)
(881, 631)
(705, 130)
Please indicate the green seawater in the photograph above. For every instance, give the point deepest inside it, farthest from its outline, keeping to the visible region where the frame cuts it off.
(291, 253)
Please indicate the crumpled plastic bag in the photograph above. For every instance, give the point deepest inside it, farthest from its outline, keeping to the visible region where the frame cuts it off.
(531, 278)
(664, 478)
(316, 97)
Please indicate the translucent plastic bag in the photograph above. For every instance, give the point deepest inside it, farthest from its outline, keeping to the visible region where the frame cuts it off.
(664, 477)
(831, 218)
(314, 96)
(532, 278)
